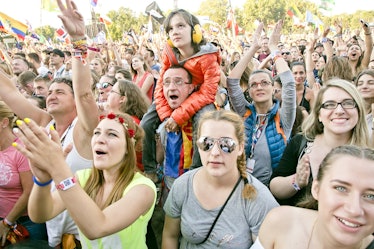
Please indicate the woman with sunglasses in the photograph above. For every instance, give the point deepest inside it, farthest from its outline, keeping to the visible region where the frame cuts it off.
(337, 118)
(104, 86)
(345, 216)
(218, 205)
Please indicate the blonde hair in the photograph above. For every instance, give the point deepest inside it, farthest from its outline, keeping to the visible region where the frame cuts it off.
(312, 127)
(249, 191)
(6, 112)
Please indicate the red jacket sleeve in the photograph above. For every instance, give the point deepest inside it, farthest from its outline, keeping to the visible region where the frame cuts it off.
(206, 73)
(163, 109)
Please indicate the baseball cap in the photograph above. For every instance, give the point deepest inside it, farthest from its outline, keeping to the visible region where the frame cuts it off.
(58, 52)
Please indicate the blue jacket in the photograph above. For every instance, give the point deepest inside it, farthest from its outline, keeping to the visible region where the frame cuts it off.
(275, 136)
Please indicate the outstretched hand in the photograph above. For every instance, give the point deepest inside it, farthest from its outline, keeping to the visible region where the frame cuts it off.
(43, 150)
(275, 36)
(256, 37)
(71, 19)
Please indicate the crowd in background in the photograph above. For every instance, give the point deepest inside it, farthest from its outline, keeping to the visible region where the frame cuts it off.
(199, 115)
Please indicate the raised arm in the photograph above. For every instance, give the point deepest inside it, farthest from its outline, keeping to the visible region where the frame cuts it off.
(88, 115)
(309, 64)
(368, 43)
(233, 80)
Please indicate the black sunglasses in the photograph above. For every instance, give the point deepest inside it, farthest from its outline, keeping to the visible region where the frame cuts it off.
(226, 144)
(287, 53)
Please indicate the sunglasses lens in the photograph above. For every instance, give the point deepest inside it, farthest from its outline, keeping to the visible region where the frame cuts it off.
(227, 145)
(103, 85)
(205, 143)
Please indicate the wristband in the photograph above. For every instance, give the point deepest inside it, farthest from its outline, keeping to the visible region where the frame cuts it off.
(277, 57)
(8, 223)
(294, 184)
(94, 49)
(41, 184)
(324, 40)
(67, 183)
(275, 53)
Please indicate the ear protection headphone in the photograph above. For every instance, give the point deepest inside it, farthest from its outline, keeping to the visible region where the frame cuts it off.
(197, 35)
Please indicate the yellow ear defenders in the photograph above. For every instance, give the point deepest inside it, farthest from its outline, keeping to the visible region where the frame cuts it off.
(197, 36)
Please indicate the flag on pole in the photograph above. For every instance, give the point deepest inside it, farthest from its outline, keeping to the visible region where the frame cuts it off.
(94, 3)
(154, 10)
(2, 28)
(311, 18)
(105, 19)
(50, 5)
(13, 26)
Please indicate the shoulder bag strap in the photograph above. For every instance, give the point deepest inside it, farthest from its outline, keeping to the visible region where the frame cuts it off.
(220, 211)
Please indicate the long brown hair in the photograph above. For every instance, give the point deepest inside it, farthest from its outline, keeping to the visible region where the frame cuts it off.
(126, 171)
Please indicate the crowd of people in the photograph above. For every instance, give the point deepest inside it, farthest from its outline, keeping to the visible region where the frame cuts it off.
(192, 142)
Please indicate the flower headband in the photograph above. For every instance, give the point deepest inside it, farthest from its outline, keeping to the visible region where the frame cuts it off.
(120, 120)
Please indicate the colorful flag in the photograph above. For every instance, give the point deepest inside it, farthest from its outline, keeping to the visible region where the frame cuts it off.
(50, 5)
(154, 10)
(311, 18)
(2, 28)
(94, 3)
(104, 19)
(17, 28)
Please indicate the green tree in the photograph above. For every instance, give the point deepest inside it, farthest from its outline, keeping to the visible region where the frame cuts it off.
(46, 31)
(123, 20)
(215, 9)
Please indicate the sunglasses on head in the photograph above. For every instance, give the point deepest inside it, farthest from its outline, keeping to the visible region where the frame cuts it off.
(226, 144)
(103, 85)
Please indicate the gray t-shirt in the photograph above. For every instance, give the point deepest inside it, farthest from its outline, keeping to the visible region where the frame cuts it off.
(239, 220)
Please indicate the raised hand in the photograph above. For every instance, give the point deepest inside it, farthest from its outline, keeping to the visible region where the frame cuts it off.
(256, 37)
(275, 36)
(71, 19)
(303, 171)
(43, 150)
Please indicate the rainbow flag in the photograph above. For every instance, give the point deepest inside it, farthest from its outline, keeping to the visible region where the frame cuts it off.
(16, 27)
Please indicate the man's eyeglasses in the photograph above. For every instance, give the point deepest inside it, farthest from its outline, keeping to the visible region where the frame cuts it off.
(286, 53)
(345, 104)
(175, 81)
(112, 91)
(103, 85)
(226, 144)
(263, 84)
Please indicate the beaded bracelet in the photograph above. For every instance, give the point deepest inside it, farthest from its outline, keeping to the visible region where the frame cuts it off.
(94, 49)
(41, 184)
(294, 184)
(277, 57)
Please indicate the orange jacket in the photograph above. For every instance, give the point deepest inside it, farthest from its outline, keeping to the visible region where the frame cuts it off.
(204, 67)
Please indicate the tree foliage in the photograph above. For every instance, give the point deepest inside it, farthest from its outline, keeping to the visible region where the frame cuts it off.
(267, 11)
(215, 9)
(46, 31)
(123, 20)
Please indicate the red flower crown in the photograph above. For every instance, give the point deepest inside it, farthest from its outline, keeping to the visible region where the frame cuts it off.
(120, 120)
